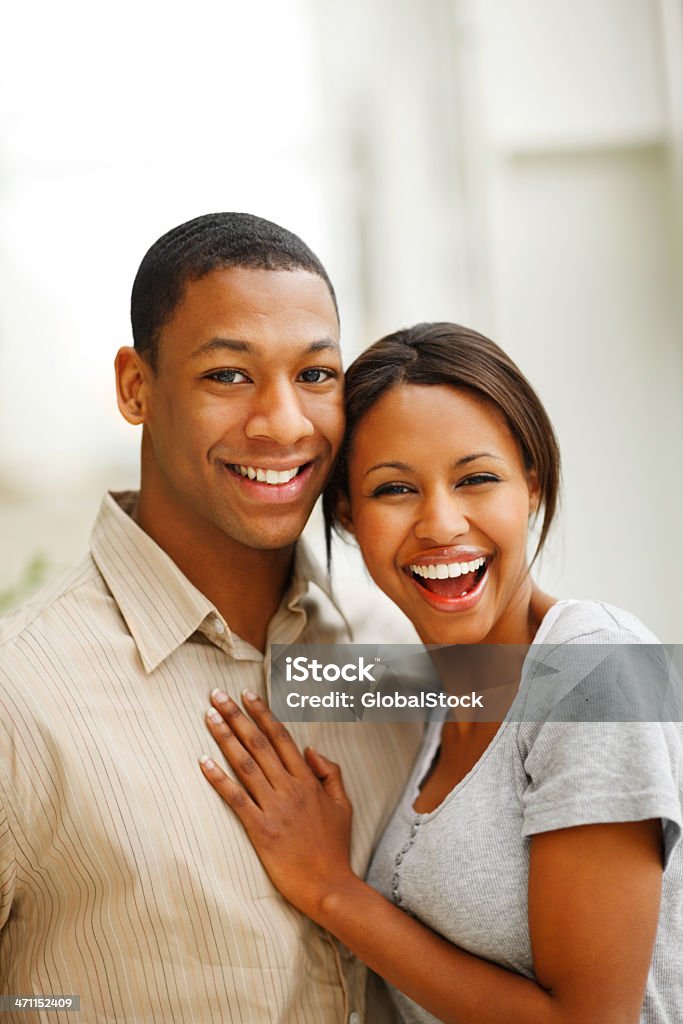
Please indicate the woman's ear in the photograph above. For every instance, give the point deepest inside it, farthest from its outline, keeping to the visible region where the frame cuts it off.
(344, 514)
(534, 492)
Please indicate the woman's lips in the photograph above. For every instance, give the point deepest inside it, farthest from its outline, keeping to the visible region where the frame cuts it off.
(452, 593)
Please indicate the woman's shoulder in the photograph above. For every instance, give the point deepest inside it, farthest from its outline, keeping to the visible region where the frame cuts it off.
(595, 663)
(589, 621)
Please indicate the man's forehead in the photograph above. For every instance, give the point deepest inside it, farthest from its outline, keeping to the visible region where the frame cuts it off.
(249, 311)
(244, 292)
(258, 285)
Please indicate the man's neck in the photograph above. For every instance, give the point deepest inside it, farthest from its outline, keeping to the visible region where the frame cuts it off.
(246, 585)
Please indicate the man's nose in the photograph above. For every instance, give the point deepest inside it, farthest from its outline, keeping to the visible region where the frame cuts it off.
(278, 416)
(441, 518)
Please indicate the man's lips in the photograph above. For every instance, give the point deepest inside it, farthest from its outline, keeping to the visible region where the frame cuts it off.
(274, 484)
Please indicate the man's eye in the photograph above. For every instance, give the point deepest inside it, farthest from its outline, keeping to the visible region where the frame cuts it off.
(228, 377)
(384, 489)
(479, 478)
(316, 375)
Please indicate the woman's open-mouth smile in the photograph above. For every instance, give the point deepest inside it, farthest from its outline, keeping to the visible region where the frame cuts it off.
(450, 584)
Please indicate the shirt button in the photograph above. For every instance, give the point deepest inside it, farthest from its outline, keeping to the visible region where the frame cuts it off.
(218, 626)
(354, 1018)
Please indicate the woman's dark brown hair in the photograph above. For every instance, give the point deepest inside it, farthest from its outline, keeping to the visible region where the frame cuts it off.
(443, 353)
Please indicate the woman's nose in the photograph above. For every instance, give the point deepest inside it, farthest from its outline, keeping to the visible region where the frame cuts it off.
(442, 520)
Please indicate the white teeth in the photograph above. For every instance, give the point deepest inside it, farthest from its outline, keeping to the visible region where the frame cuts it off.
(268, 476)
(444, 570)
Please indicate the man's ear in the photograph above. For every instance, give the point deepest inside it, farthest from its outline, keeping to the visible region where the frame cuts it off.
(344, 514)
(132, 384)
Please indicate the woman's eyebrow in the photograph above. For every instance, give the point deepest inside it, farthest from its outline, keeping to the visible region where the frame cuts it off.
(405, 468)
(477, 455)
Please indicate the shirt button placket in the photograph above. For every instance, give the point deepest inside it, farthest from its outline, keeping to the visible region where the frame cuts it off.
(398, 860)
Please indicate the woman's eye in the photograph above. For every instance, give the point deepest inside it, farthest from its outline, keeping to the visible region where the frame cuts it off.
(316, 375)
(479, 478)
(391, 489)
(229, 377)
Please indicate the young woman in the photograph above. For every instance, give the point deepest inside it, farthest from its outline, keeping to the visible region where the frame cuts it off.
(521, 876)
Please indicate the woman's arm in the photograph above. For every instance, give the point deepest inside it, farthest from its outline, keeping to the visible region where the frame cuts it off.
(594, 893)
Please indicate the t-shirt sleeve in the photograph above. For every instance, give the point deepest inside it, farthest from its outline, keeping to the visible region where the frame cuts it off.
(586, 773)
(7, 867)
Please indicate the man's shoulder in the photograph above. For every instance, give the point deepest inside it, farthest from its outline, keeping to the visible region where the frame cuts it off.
(64, 592)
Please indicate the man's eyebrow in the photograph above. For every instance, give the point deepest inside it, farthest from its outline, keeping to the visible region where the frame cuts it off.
(405, 468)
(234, 345)
(322, 345)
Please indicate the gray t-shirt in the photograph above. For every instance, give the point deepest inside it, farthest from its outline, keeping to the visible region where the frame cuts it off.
(463, 868)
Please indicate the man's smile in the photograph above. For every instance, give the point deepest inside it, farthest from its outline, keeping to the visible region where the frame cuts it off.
(269, 483)
(268, 476)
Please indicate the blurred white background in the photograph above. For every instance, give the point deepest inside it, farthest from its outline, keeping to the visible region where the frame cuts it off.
(514, 165)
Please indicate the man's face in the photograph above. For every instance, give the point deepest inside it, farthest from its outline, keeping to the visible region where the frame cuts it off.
(244, 414)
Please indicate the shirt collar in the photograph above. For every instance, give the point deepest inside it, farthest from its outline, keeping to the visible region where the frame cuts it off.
(160, 606)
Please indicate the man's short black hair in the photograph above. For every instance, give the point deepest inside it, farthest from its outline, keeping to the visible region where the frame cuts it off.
(192, 250)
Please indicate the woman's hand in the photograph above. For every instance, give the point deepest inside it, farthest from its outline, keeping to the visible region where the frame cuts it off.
(593, 892)
(294, 808)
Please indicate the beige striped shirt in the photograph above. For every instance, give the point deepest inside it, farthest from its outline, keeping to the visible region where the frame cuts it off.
(123, 878)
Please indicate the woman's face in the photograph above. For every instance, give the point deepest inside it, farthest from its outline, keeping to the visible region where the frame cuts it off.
(440, 503)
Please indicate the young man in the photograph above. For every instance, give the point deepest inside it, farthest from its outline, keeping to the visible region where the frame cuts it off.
(122, 877)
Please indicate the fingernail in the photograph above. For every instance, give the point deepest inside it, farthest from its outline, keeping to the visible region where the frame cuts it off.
(206, 761)
(249, 695)
(220, 696)
(213, 715)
